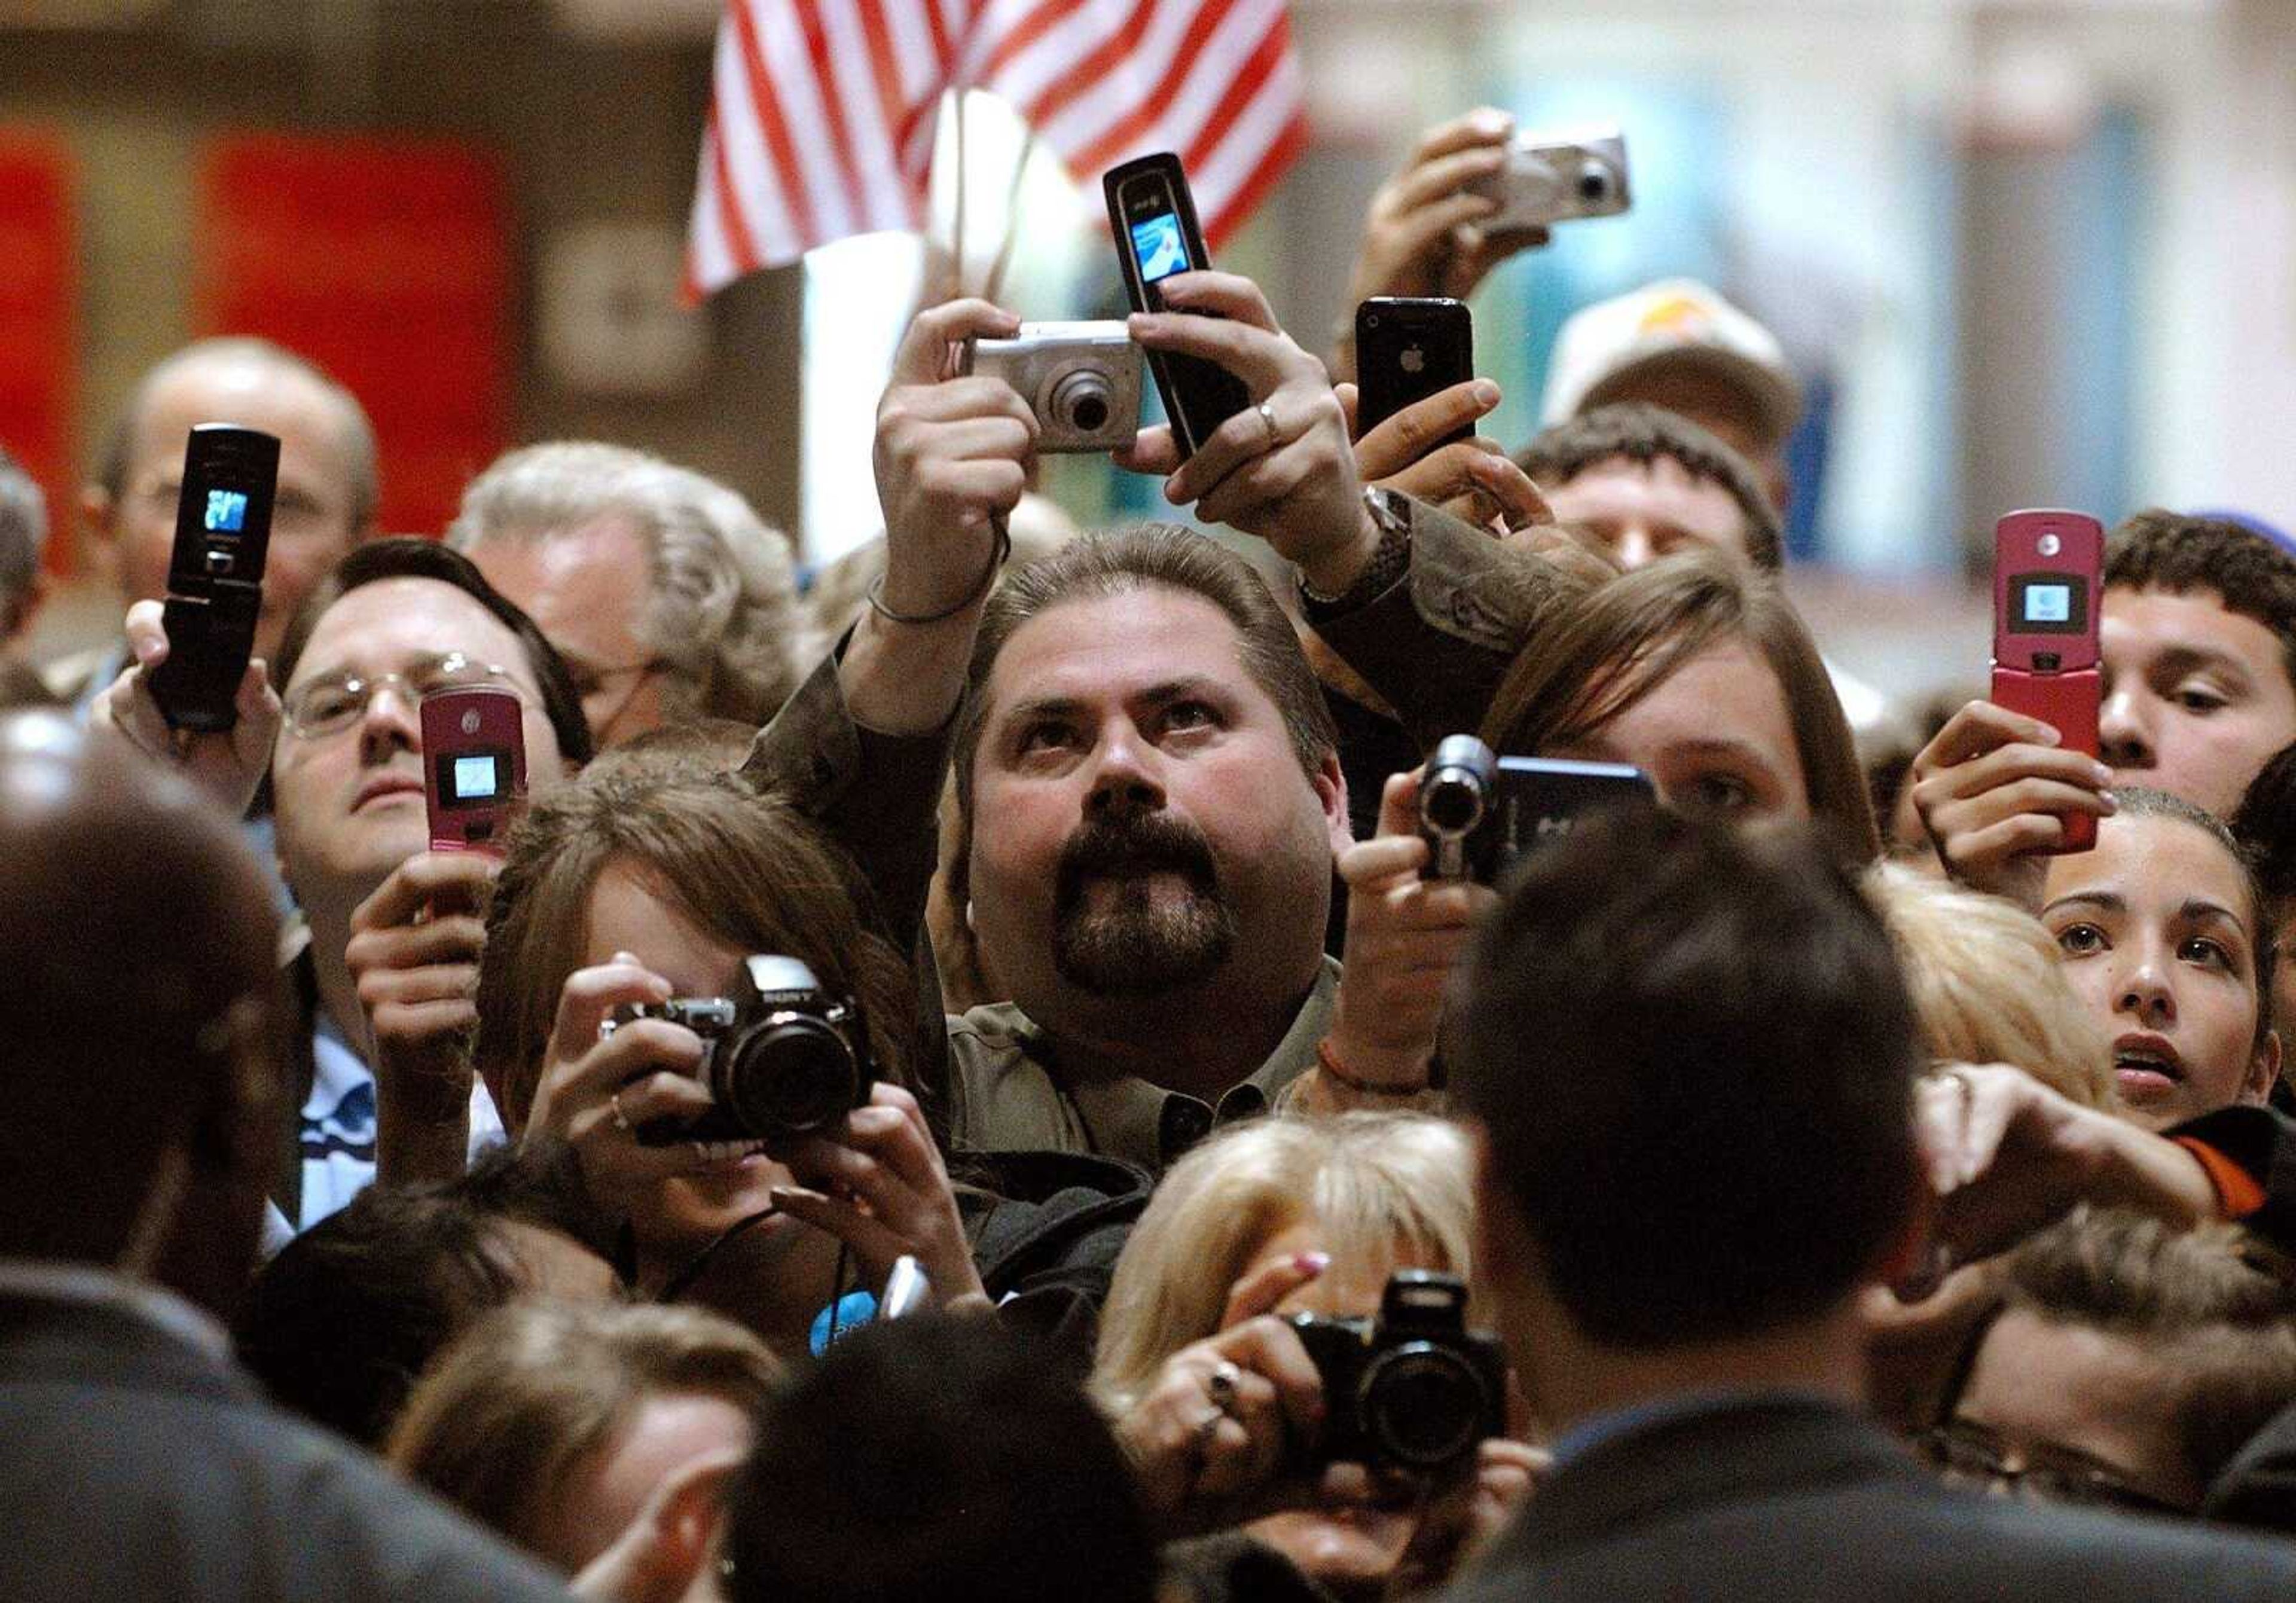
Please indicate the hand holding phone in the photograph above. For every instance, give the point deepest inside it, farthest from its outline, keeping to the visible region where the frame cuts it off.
(1406, 350)
(2048, 582)
(215, 574)
(1154, 220)
(473, 767)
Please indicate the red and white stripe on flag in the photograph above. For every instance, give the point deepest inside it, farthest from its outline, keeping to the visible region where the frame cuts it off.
(822, 120)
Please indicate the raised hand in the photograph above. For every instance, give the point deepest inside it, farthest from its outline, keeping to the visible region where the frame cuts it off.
(227, 764)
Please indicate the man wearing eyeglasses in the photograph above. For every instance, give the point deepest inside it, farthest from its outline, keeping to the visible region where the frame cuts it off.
(668, 598)
(393, 929)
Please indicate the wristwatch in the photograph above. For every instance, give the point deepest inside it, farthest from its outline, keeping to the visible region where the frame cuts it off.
(1389, 561)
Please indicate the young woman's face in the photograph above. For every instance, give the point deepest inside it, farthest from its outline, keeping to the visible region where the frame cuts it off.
(1716, 737)
(685, 1211)
(2157, 933)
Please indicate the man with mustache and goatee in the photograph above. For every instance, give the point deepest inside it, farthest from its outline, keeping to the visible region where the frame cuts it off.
(1150, 795)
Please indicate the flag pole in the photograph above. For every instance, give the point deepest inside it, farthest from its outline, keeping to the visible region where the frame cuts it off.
(1011, 220)
(956, 221)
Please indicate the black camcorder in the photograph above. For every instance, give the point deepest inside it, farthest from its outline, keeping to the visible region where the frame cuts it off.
(1479, 812)
(1414, 1390)
(783, 1057)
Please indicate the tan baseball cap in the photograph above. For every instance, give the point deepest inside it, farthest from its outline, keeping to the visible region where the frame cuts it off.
(1676, 323)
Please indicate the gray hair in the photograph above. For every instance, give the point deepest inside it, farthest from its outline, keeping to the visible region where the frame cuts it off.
(355, 434)
(724, 618)
(23, 533)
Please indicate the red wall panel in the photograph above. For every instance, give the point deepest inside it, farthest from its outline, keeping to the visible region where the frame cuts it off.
(389, 262)
(39, 292)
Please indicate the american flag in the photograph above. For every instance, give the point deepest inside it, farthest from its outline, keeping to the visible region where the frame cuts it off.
(822, 120)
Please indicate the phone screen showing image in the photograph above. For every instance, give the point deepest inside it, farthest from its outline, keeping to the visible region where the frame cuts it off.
(1159, 247)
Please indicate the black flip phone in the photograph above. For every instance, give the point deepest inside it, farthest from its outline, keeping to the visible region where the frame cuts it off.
(215, 577)
(1155, 218)
(1407, 349)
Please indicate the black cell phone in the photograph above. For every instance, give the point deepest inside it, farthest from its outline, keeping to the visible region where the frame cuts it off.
(1479, 812)
(1407, 349)
(1154, 220)
(215, 575)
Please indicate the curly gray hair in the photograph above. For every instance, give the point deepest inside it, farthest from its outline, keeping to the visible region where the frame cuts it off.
(724, 618)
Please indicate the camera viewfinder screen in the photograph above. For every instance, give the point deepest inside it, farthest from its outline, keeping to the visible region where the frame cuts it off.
(1158, 247)
(2048, 603)
(473, 778)
(226, 512)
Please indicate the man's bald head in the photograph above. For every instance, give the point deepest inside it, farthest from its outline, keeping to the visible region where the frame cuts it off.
(142, 1025)
(327, 486)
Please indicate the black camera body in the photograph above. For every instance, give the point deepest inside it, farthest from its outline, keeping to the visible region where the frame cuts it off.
(783, 1057)
(1479, 812)
(1414, 1390)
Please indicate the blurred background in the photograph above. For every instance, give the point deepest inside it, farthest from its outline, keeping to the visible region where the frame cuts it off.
(2021, 254)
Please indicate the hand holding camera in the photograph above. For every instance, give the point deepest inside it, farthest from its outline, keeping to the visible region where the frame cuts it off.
(877, 1183)
(1278, 1413)
(952, 455)
(1283, 467)
(1404, 934)
(1427, 231)
(1081, 381)
(227, 763)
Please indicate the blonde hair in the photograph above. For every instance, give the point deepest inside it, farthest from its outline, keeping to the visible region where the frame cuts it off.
(1373, 1184)
(1989, 986)
(503, 1420)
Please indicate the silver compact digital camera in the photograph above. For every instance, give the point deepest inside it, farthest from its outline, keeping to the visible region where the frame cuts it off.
(1082, 379)
(1551, 178)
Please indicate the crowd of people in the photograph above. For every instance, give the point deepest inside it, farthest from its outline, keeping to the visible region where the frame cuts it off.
(1817, 1182)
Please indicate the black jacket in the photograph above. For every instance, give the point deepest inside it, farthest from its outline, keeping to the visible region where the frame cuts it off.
(1781, 1501)
(134, 1464)
(1046, 1228)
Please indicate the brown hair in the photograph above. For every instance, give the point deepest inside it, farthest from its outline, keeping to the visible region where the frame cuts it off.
(1627, 637)
(2214, 1305)
(1155, 555)
(745, 869)
(1638, 432)
(503, 1421)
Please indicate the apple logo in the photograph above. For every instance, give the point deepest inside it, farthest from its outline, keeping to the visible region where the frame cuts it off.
(1413, 359)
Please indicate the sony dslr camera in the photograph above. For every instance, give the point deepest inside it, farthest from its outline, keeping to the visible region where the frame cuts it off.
(782, 1058)
(1552, 178)
(1082, 379)
(1414, 1390)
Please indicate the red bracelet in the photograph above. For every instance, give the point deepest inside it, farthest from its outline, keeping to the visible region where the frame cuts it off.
(1328, 1060)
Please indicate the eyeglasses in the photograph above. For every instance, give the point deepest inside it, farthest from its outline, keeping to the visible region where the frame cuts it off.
(329, 705)
(1969, 1456)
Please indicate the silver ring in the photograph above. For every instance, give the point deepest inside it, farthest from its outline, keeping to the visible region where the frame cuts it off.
(621, 1120)
(1220, 1388)
(1206, 1428)
(1275, 435)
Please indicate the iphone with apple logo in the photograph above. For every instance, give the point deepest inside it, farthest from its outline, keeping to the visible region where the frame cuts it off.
(1408, 348)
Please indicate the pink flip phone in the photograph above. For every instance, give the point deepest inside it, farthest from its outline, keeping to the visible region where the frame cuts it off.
(473, 767)
(2047, 572)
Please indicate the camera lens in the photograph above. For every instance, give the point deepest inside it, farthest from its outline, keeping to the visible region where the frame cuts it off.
(1080, 401)
(1452, 803)
(1594, 183)
(1422, 1406)
(787, 1077)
